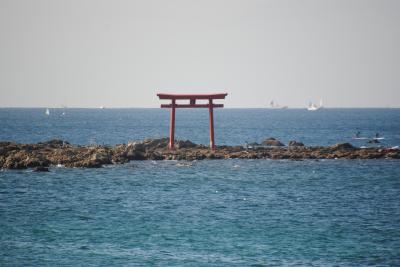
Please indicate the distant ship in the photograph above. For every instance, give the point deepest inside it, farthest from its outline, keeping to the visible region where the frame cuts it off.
(276, 106)
(47, 112)
(102, 107)
(313, 107)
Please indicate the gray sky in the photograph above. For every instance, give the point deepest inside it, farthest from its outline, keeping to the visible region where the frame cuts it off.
(89, 53)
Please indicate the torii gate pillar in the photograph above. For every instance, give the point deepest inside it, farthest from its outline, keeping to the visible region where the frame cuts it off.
(211, 119)
(192, 104)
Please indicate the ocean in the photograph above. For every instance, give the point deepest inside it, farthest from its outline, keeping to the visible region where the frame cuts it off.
(203, 213)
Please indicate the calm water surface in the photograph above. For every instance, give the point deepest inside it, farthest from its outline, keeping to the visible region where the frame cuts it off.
(232, 126)
(202, 213)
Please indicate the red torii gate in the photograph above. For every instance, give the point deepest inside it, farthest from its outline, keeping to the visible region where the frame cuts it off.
(192, 104)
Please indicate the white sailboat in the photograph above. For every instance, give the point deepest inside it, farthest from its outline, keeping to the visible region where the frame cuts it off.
(313, 107)
(47, 112)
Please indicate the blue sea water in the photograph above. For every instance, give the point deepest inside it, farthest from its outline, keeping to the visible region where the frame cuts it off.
(203, 213)
(232, 126)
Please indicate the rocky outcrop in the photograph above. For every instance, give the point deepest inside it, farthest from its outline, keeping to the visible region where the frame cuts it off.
(272, 142)
(42, 155)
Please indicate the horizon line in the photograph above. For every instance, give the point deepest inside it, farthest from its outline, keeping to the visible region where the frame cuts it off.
(138, 107)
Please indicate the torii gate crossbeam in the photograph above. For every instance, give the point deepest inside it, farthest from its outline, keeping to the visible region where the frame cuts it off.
(192, 104)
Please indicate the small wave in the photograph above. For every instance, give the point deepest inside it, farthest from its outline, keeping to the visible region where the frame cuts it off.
(184, 164)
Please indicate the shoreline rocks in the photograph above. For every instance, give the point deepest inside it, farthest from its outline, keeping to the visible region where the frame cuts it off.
(295, 143)
(58, 152)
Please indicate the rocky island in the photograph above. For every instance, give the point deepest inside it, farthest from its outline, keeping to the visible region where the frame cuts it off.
(58, 152)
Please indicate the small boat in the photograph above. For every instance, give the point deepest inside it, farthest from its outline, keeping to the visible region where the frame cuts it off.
(47, 112)
(313, 107)
(102, 107)
(276, 106)
(357, 136)
(378, 137)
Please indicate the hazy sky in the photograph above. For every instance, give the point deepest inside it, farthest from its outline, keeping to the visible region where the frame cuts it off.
(88, 53)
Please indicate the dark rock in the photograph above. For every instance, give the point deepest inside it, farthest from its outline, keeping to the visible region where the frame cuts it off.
(152, 144)
(16, 161)
(210, 155)
(272, 142)
(41, 169)
(342, 146)
(6, 147)
(87, 164)
(394, 155)
(184, 144)
(54, 143)
(5, 143)
(153, 156)
(136, 146)
(295, 143)
(135, 155)
(101, 156)
(36, 161)
(117, 159)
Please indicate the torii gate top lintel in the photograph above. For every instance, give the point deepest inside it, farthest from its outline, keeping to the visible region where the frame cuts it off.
(192, 96)
(192, 104)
